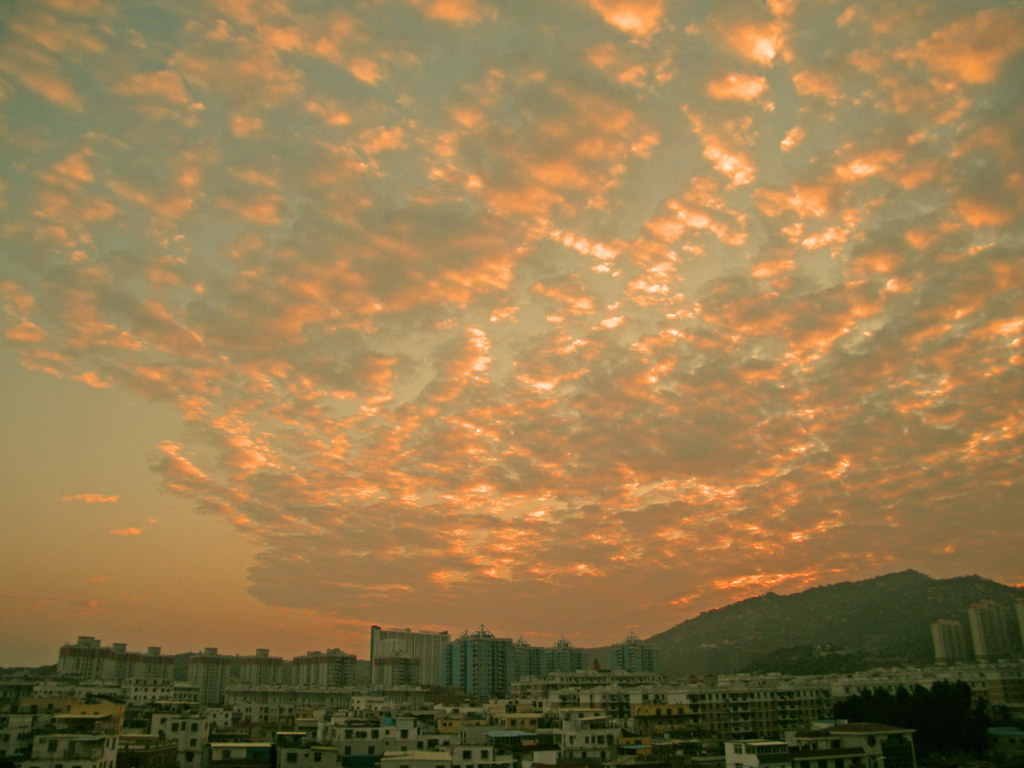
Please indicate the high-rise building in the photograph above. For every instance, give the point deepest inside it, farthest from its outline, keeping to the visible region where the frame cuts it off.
(427, 647)
(949, 641)
(634, 655)
(1019, 609)
(397, 670)
(480, 664)
(332, 668)
(530, 661)
(209, 670)
(990, 630)
(527, 661)
(563, 657)
(261, 669)
(87, 659)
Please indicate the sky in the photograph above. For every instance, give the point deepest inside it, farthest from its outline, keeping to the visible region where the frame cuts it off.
(562, 317)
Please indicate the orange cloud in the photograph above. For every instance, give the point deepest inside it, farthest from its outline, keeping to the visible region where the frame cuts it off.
(460, 12)
(90, 498)
(126, 532)
(635, 17)
(166, 85)
(973, 49)
(737, 86)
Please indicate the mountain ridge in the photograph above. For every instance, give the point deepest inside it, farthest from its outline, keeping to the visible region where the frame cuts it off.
(884, 619)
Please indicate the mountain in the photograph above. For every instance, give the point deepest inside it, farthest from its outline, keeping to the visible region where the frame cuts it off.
(861, 624)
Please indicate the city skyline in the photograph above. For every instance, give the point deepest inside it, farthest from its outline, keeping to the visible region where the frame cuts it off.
(584, 316)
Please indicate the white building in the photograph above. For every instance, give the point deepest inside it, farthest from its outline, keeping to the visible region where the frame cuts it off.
(416, 759)
(324, 669)
(426, 647)
(209, 671)
(261, 669)
(754, 753)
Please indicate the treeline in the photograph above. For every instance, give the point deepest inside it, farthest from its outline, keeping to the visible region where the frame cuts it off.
(944, 718)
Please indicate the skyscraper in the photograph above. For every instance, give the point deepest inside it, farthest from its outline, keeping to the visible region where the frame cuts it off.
(426, 647)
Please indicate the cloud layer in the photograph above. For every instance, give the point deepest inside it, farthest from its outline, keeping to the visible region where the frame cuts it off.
(561, 316)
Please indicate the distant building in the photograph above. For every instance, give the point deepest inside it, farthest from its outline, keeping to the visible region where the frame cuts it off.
(428, 648)
(634, 655)
(949, 641)
(1019, 609)
(990, 630)
(397, 670)
(480, 664)
(87, 659)
(527, 660)
(563, 657)
(332, 668)
(261, 669)
(209, 670)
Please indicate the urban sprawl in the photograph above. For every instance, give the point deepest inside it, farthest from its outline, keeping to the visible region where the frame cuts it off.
(475, 701)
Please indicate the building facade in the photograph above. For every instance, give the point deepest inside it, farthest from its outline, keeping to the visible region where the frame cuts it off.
(949, 641)
(480, 664)
(427, 647)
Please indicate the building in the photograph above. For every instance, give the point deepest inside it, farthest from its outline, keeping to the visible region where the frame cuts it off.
(527, 660)
(871, 745)
(76, 741)
(949, 641)
(189, 731)
(145, 751)
(634, 655)
(427, 647)
(397, 671)
(990, 630)
(753, 753)
(261, 669)
(480, 664)
(332, 668)
(209, 671)
(88, 660)
(563, 657)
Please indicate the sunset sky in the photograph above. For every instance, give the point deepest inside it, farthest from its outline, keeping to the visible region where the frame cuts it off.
(564, 317)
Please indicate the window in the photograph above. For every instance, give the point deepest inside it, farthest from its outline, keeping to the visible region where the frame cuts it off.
(292, 757)
(317, 757)
(466, 754)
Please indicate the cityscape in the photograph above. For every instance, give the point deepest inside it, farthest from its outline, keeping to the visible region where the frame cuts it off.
(511, 384)
(432, 700)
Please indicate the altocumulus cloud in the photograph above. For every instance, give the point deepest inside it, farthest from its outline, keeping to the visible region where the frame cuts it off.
(554, 315)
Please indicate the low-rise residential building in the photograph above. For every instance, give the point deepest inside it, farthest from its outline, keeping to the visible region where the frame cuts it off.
(146, 751)
(754, 753)
(854, 745)
(417, 759)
